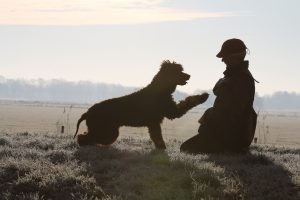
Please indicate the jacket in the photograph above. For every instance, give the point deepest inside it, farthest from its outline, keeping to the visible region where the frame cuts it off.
(232, 120)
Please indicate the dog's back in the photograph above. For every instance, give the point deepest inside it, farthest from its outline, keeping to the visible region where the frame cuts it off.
(137, 109)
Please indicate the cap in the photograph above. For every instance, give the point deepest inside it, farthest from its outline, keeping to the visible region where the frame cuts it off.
(231, 46)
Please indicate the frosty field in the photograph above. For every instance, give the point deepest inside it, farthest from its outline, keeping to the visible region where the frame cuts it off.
(52, 166)
(37, 161)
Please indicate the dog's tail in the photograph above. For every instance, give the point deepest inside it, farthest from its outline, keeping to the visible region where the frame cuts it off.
(83, 117)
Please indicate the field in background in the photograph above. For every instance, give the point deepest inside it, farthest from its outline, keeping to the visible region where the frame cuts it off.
(274, 127)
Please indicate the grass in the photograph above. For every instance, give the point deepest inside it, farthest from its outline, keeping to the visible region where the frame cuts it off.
(50, 166)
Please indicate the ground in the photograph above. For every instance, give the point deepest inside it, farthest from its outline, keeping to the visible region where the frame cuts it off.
(53, 166)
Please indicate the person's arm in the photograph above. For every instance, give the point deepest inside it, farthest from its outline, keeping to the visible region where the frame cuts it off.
(241, 95)
(232, 99)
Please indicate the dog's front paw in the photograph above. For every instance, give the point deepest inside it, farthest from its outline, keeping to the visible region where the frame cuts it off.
(161, 146)
(197, 99)
(203, 97)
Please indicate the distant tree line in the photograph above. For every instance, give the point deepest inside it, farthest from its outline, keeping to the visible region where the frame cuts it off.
(88, 92)
(282, 100)
(62, 91)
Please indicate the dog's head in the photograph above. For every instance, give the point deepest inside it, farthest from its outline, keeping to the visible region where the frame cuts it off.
(172, 74)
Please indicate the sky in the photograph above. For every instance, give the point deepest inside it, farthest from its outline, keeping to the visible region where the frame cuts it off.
(124, 41)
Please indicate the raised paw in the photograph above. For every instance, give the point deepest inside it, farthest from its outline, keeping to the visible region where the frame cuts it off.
(197, 99)
(203, 97)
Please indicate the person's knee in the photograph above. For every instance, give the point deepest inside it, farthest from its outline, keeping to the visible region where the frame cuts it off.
(189, 147)
(183, 147)
(198, 144)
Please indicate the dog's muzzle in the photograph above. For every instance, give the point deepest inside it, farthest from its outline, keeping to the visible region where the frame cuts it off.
(185, 77)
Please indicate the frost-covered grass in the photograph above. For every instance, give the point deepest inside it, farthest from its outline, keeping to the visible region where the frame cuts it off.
(48, 166)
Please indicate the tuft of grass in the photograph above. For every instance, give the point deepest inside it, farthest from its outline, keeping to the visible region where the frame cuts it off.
(53, 166)
(4, 141)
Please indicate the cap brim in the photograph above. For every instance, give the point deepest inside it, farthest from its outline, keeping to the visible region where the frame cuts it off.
(220, 54)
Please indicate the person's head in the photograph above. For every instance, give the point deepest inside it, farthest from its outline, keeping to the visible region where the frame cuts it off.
(233, 52)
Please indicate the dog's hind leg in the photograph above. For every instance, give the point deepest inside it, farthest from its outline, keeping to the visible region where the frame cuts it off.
(85, 139)
(104, 136)
(156, 136)
(107, 135)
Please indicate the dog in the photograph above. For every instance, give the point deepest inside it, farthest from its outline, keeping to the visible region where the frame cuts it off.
(144, 108)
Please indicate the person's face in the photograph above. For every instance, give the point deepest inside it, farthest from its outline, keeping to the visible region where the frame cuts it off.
(233, 59)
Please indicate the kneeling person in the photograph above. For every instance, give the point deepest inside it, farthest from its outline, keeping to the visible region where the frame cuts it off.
(230, 124)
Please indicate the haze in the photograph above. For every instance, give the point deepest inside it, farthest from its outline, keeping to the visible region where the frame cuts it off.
(124, 41)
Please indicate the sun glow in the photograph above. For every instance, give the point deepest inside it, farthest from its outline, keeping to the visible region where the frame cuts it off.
(92, 12)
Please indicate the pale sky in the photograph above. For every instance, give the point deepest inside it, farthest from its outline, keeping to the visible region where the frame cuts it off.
(124, 41)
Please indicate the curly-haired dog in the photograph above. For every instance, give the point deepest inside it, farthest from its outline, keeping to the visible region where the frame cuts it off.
(146, 107)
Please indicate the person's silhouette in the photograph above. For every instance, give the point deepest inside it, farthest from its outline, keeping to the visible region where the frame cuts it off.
(230, 124)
